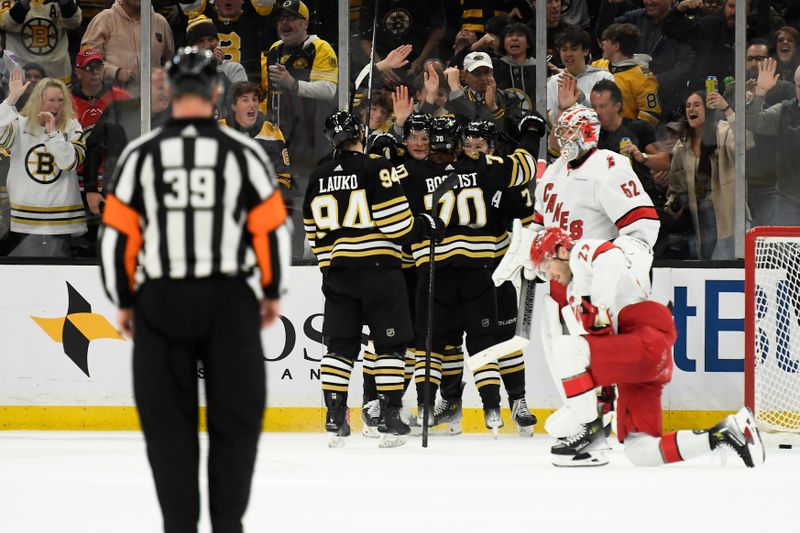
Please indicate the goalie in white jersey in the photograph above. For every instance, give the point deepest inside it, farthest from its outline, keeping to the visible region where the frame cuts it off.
(627, 341)
(593, 193)
(588, 193)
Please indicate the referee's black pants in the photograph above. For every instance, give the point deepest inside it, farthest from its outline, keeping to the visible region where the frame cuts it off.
(177, 323)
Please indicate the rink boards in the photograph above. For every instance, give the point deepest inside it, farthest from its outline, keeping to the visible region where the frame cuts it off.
(61, 370)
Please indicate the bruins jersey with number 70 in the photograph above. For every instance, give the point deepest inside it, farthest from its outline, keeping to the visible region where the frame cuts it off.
(355, 212)
(470, 209)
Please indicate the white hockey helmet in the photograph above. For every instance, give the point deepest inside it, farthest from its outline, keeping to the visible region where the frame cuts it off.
(577, 132)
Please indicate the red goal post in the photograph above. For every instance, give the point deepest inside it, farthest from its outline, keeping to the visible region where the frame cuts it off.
(772, 331)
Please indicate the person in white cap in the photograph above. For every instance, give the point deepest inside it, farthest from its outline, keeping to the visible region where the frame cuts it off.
(480, 99)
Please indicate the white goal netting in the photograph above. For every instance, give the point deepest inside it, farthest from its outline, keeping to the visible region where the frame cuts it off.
(777, 333)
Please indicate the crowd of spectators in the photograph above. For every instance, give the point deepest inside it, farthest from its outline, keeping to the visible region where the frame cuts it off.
(659, 74)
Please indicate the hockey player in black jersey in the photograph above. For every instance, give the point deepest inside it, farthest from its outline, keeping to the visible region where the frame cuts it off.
(356, 219)
(387, 146)
(465, 298)
(479, 138)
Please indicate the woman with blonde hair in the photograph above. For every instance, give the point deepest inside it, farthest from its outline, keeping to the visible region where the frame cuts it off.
(45, 143)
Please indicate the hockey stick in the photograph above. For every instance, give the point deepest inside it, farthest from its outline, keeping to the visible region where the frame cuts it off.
(448, 183)
(371, 69)
(522, 333)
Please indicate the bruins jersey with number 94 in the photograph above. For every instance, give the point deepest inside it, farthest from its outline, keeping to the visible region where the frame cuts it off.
(355, 212)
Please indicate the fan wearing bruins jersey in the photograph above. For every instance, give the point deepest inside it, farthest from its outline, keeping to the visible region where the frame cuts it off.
(45, 144)
(479, 137)
(356, 219)
(465, 296)
(299, 75)
(639, 86)
(243, 29)
(245, 117)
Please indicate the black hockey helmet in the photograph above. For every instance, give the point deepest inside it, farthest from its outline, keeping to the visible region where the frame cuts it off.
(341, 127)
(481, 129)
(386, 145)
(445, 134)
(193, 71)
(417, 122)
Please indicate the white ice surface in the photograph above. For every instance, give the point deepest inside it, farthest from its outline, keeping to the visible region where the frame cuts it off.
(92, 482)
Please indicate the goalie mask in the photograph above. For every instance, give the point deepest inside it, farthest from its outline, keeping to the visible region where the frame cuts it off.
(578, 131)
(545, 247)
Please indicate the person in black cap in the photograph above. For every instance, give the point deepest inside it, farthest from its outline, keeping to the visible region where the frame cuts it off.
(33, 73)
(202, 33)
(245, 26)
(195, 296)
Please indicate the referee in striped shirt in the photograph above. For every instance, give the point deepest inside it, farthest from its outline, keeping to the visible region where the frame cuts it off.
(193, 248)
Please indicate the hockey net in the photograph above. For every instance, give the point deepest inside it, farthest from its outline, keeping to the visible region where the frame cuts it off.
(772, 331)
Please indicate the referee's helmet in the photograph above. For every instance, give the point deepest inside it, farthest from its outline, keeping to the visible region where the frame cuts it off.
(193, 71)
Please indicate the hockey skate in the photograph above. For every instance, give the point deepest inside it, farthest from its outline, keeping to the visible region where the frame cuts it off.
(370, 416)
(522, 417)
(449, 412)
(739, 433)
(337, 419)
(582, 447)
(391, 427)
(492, 419)
(415, 421)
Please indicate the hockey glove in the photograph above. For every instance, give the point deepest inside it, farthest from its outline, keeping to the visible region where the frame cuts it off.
(533, 123)
(432, 227)
(595, 320)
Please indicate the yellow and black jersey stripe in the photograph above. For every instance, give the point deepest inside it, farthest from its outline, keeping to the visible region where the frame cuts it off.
(356, 214)
(639, 89)
(271, 138)
(475, 13)
(475, 234)
(314, 60)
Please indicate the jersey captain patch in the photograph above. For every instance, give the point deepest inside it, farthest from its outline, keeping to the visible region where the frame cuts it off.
(41, 165)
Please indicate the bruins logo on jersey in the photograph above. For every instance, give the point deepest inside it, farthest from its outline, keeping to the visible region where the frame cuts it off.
(41, 165)
(397, 22)
(300, 64)
(39, 36)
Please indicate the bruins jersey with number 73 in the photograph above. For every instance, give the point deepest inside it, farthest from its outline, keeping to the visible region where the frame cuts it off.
(355, 212)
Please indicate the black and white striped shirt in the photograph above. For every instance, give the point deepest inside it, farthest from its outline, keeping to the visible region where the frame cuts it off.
(193, 200)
